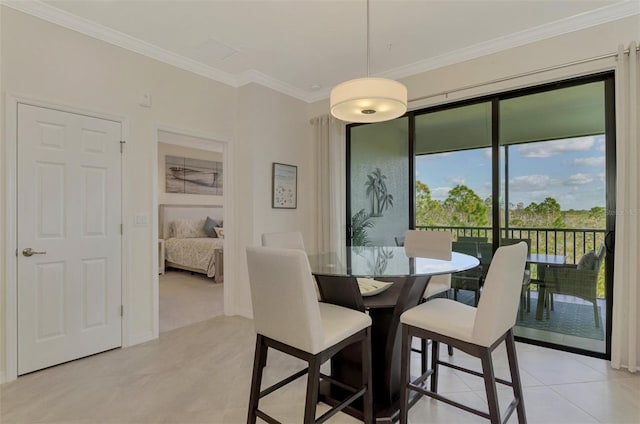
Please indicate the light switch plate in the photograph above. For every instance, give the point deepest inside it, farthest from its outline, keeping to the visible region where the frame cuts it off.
(141, 220)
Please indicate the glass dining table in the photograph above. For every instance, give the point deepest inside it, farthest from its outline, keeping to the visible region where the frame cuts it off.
(337, 278)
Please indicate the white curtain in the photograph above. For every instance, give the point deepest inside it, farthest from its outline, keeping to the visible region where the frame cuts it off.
(331, 184)
(625, 343)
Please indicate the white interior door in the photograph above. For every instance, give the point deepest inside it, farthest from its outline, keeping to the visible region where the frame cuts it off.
(69, 215)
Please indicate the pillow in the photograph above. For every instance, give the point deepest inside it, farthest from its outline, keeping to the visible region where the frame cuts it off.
(184, 228)
(219, 232)
(588, 260)
(209, 225)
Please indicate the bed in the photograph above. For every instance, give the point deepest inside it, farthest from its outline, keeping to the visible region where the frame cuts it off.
(186, 244)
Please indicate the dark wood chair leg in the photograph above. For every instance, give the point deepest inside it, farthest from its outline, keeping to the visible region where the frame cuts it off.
(367, 378)
(515, 376)
(405, 374)
(490, 386)
(595, 313)
(435, 350)
(449, 348)
(424, 356)
(259, 361)
(313, 386)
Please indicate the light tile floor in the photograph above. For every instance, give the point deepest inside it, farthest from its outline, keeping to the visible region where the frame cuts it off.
(201, 374)
(187, 298)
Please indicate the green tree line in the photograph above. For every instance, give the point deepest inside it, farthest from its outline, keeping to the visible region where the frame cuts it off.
(464, 208)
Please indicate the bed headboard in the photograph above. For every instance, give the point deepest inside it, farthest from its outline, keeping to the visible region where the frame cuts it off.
(168, 213)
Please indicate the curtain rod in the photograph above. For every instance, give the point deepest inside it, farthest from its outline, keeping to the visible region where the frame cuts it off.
(524, 74)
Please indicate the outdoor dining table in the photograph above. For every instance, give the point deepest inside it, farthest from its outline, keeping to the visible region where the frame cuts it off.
(543, 260)
(336, 276)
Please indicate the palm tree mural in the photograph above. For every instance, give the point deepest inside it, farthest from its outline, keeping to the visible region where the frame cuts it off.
(377, 192)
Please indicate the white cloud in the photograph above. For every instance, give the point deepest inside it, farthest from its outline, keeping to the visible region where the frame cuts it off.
(440, 193)
(592, 161)
(548, 149)
(579, 179)
(568, 200)
(456, 180)
(530, 183)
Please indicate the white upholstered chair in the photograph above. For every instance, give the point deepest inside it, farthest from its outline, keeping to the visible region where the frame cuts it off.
(431, 244)
(285, 240)
(288, 317)
(476, 331)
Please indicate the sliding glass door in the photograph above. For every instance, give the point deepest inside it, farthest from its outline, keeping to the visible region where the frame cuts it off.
(535, 165)
(553, 182)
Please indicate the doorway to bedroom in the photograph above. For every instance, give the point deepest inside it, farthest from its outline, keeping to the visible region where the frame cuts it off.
(190, 242)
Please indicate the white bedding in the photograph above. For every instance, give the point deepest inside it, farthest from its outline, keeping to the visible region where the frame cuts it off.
(193, 252)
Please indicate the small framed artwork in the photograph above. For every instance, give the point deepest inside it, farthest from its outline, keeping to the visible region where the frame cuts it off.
(284, 194)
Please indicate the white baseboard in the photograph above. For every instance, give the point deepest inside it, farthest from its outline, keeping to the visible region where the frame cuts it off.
(245, 313)
(139, 338)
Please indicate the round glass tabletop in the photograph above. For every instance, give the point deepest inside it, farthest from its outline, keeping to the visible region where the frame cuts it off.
(386, 261)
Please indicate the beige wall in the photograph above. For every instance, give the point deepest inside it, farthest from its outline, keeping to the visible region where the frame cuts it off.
(165, 198)
(274, 128)
(48, 63)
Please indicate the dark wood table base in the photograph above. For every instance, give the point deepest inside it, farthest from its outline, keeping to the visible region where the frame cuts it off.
(385, 310)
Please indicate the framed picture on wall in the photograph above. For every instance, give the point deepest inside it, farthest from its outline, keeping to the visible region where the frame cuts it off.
(193, 176)
(284, 184)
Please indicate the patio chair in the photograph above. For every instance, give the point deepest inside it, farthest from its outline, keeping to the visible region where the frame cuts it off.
(579, 280)
(471, 279)
(473, 239)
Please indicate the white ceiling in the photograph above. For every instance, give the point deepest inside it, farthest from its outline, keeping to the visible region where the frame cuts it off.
(305, 47)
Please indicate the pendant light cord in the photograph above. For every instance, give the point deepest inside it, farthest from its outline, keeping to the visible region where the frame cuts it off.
(368, 34)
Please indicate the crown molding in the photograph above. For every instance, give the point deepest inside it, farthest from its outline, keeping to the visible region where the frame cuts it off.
(257, 77)
(539, 33)
(84, 26)
(92, 29)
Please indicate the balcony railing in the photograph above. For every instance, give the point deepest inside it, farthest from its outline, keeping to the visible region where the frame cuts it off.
(570, 242)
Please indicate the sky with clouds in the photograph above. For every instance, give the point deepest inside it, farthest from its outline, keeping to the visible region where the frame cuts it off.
(572, 171)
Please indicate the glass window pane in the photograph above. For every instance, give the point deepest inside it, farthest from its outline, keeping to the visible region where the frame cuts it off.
(379, 182)
(553, 190)
(453, 186)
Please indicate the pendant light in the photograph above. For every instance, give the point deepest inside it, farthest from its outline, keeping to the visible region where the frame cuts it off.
(368, 99)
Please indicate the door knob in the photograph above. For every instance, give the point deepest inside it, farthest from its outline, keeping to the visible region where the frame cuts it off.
(30, 252)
